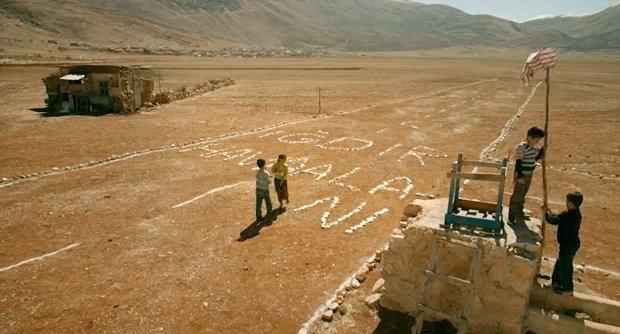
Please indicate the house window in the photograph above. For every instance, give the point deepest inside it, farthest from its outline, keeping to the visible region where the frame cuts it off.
(104, 87)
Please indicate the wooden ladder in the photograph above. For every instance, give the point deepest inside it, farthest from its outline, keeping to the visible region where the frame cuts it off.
(432, 274)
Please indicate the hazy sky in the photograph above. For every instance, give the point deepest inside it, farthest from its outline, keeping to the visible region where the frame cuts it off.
(521, 10)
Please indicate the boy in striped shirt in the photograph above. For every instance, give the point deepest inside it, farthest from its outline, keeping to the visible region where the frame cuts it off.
(526, 155)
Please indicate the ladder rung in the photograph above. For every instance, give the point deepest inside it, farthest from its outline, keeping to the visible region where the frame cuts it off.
(451, 279)
(447, 316)
(459, 243)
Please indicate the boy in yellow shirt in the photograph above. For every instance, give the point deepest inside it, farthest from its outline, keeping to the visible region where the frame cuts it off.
(280, 172)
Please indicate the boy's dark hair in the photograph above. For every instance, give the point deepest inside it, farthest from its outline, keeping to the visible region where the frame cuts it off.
(536, 132)
(260, 163)
(282, 156)
(576, 198)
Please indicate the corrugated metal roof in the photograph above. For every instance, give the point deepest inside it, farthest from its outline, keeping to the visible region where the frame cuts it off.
(72, 77)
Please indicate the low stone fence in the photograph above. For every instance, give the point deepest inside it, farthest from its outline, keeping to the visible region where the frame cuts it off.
(185, 92)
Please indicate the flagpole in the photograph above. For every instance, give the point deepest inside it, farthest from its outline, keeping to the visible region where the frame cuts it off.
(543, 58)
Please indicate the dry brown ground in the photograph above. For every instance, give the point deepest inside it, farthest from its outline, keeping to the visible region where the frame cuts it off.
(142, 265)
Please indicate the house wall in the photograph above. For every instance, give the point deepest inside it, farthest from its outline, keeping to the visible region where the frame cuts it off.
(113, 80)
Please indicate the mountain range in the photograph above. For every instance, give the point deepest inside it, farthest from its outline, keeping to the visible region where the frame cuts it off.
(344, 25)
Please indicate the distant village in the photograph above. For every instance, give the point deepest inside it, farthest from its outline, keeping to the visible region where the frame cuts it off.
(227, 52)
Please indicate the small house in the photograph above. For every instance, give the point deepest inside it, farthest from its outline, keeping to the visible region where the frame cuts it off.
(86, 89)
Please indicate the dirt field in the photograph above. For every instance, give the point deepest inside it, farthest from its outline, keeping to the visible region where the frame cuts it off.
(148, 241)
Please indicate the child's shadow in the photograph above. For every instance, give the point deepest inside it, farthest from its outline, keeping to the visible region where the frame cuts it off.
(255, 227)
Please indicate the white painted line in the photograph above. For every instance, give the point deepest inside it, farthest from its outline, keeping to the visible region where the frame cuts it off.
(389, 149)
(410, 124)
(510, 124)
(270, 134)
(39, 258)
(212, 191)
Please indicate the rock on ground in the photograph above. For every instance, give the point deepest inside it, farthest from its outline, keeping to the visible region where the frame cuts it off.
(378, 285)
(362, 274)
(373, 300)
(328, 315)
(412, 210)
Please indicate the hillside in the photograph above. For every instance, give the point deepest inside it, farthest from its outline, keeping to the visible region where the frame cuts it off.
(597, 31)
(329, 24)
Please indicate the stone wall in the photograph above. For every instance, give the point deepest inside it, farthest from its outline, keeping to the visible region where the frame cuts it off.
(502, 286)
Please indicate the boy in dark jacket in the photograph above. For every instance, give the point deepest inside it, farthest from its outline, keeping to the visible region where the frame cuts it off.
(568, 223)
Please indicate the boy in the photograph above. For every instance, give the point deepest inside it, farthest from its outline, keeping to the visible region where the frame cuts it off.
(262, 189)
(280, 172)
(526, 155)
(568, 237)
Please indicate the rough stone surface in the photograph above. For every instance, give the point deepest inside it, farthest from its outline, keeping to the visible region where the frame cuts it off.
(378, 285)
(502, 286)
(328, 315)
(373, 300)
(362, 274)
(355, 283)
(412, 210)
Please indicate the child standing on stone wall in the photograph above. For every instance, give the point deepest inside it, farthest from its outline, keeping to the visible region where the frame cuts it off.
(262, 189)
(568, 223)
(526, 155)
(280, 173)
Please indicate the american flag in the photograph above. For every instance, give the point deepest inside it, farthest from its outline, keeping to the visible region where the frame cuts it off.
(538, 61)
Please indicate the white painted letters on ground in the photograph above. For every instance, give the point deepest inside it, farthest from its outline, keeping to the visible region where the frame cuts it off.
(386, 186)
(343, 176)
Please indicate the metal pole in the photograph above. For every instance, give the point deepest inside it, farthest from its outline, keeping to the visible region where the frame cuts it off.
(319, 100)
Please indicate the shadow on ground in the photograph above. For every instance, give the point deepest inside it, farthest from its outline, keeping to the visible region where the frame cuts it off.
(524, 234)
(45, 112)
(255, 227)
(393, 322)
